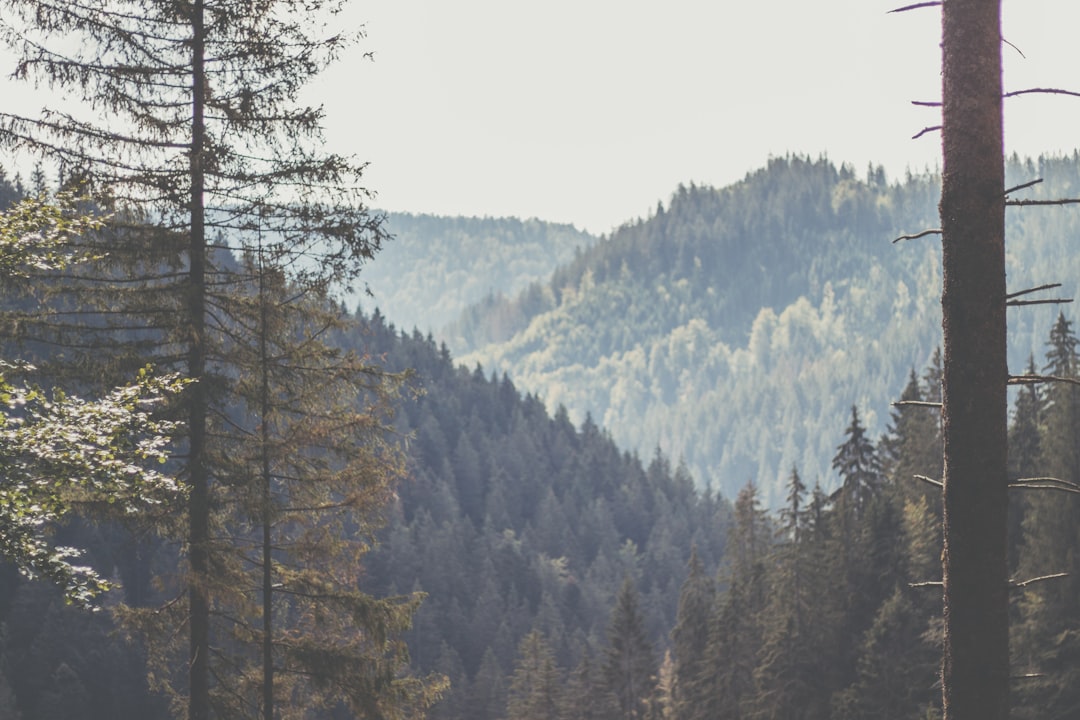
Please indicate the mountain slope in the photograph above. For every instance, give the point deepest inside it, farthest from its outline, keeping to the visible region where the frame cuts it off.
(736, 327)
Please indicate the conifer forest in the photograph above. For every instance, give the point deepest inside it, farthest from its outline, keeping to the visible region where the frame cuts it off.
(269, 452)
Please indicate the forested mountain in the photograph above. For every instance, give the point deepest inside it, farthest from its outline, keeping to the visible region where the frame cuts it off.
(438, 267)
(735, 326)
(566, 577)
(512, 521)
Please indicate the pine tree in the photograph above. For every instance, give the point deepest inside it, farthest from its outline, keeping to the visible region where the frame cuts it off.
(1047, 641)
(534, 687)
(896, 670)
(912, 444)
(788, 669)
(314, 465)
(859, 467)
(689, 641)
(630, 667)
(583, 699)
(487, 695)
(734, 641)
(1025, 457)
(190, 125)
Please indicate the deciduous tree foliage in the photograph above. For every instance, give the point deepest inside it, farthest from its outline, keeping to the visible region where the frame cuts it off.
(58, 452)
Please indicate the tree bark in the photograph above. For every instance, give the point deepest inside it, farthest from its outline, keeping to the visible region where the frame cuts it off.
(976, 654)
(199, 476)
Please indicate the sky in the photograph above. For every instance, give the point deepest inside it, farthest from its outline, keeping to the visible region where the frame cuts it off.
(592, 111)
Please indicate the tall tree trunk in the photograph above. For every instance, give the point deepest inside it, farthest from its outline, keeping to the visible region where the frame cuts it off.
(199, 503)
(976, 656)
(267, 494)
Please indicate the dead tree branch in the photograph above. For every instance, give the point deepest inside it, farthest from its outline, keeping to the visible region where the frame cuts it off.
(1014, 48)
(1053, 301)
(916, 6)
(931, 481)
(1046, 483)
(917, 403)
(925, 130)
(1025, 583)
(1020, 293)
(1022, 187)
(1024, 203)
(915, 236)
(1034, 379)
(1041, 91)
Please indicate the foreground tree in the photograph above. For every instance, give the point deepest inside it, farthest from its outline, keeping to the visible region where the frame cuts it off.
(188, 124)
(976, 655)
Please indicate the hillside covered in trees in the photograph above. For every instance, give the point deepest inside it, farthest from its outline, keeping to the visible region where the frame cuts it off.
(735, 326)
(563, 576)
(437, 268)
(512, 520)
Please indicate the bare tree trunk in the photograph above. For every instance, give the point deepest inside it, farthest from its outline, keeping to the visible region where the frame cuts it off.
(976, 656)
(199, 478)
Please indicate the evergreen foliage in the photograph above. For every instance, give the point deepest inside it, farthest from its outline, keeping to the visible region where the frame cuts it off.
(736, 328)
(535, 690)
(630, 667)
(190, 128)
(1046, 639)
(514, 521)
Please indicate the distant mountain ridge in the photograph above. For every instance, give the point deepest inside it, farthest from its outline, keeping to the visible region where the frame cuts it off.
(437, 267)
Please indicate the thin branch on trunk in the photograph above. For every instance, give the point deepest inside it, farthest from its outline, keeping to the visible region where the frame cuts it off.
(915, 236)
(916, 6)
(1023, 187)
(1025, 583)
(1020, 293)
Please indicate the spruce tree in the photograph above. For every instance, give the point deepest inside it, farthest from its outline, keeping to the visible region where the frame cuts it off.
(583, 699)
(689, 641)
(535, 691)
(912, 443)
(1047, 640)
(1025, 457)
(734, 641)
(190, 127)
(788, 670)
(630, 667)
(859, 467)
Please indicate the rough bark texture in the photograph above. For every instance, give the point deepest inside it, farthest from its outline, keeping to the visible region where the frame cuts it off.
(976, 657)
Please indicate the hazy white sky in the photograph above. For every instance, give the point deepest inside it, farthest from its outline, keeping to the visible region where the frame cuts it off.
(591, 111)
